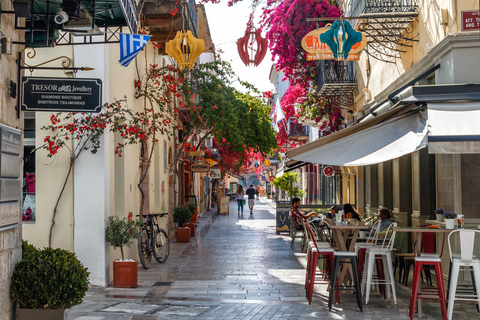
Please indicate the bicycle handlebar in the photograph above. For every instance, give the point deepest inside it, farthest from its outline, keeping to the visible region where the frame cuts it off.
(152, 215)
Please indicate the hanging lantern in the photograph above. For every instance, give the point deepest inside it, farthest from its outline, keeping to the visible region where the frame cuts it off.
(185, 48)
(248, 54)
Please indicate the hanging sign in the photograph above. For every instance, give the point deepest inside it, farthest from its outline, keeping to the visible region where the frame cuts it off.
(200, 165)
(61, 94)
(328, 171)
(345, 41)
(215, 174)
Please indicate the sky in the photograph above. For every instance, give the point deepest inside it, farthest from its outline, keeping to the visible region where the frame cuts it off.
(227, 24)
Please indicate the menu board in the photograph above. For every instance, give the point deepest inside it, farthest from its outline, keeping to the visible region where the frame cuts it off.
(224, 205)
(283, 221)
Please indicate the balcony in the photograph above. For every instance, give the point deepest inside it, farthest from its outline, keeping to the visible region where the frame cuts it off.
(338, 80)
(44, 27)
(297, 131)
(387, 24)
(163, 26)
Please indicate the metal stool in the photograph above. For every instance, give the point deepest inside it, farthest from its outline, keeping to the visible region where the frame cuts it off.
(420, 262)
(352, 256)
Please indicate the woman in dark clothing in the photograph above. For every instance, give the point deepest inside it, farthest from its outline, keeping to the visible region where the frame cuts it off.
(350, 212)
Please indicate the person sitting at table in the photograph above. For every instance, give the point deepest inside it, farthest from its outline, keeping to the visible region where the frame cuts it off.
(297, 215)
(332, 212)
(350, 212)
(385, 219)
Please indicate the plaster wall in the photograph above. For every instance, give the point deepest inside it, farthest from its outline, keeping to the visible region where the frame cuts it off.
(11, 239)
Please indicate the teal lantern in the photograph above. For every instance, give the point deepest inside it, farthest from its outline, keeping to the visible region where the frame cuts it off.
(340, 38)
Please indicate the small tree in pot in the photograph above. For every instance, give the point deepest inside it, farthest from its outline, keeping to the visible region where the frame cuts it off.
(120, 233)
(47, 282)
(181, 216)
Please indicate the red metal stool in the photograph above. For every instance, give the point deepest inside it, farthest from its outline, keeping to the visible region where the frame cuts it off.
(426, 261)
(313, 274)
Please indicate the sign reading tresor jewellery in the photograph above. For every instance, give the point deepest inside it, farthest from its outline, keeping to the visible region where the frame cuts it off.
(61, 94)
(10, 183)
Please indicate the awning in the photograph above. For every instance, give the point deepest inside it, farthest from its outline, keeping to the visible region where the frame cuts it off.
(446, 127)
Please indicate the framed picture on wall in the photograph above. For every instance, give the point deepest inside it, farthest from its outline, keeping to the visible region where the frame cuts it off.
(165, 156)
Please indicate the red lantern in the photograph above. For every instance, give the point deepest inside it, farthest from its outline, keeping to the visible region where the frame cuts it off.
(247, 53)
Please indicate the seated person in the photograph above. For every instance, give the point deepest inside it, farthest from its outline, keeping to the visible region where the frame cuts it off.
(350, 212)
(385, 218)
(332, 212)
(296, 214)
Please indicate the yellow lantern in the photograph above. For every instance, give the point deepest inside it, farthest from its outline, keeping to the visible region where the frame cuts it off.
(267, 162)
(185, 48)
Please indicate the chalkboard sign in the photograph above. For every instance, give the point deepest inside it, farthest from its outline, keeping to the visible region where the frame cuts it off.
(283, 221)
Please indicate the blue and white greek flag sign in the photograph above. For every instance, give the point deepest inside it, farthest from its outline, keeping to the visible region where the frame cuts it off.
(130, 46)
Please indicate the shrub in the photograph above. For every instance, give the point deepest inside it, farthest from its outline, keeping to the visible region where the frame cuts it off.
(121, 232)
(48, 279)
(192, 207)
(181, 215)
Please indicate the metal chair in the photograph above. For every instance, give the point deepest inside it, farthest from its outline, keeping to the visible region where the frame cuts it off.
(467, 260)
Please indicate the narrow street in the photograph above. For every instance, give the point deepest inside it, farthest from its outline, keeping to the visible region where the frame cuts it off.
(236, 267)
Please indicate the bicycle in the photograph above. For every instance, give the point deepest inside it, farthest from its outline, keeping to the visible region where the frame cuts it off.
(153, 240)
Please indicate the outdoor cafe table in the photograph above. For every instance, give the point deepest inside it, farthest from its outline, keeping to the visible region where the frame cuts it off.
(417, 233)
(341, 233)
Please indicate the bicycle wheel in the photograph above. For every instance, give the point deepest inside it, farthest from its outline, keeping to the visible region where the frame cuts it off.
(144, 250)
(161, 245)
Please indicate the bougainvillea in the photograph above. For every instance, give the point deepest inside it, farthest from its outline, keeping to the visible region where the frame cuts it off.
(286, 22)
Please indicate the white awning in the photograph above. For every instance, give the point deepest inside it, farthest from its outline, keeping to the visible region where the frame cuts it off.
(446, 127)
(454, 127)
(379, 143)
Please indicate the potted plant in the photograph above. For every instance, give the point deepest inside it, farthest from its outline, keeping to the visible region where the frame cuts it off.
(181, 216)
(439, 214)
(193, 220)
(450, 218)
(46, 283)
(120, 233)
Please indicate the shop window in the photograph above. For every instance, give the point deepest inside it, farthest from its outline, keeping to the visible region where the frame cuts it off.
(29, 207)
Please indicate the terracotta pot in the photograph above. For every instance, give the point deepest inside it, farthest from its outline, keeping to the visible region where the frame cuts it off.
(192, 228)
(125, 274)
(41, 314)
(183, 235)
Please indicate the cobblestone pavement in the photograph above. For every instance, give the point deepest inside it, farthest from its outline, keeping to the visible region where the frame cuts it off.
(236, 267)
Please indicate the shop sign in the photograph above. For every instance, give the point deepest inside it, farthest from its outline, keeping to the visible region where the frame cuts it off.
(61, 94)
(318, 50)
(196, 153)
(328, 171)
(9, 166)
(470, 20)
(11, 141)
(9, 214)
(283, 221)
(200, 165)
(9, 190)
(215, 174)
(267, 162)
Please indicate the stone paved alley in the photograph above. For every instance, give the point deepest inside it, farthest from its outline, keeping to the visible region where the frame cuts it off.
(236, 267)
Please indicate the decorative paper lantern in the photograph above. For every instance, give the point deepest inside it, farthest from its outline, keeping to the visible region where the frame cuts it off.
(242, 45)
(185, 48)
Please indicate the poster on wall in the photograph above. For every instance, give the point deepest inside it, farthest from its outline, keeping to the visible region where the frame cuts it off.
(224, 205)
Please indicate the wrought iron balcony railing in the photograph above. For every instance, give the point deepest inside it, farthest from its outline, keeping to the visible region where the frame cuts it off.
(336, 78)
(297, 131)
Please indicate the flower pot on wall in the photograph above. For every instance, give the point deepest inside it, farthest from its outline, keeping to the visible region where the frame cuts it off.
(125, 273)
(450, 223)
(41, 314)
(190, 225)
(183, 235)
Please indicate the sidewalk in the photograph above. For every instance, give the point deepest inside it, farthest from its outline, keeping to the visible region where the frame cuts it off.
(236, 267)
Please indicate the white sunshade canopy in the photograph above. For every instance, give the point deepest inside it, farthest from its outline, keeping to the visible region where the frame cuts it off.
(446, 127)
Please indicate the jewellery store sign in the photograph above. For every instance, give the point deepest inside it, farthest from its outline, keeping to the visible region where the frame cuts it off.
(10, 186)
(61, 94)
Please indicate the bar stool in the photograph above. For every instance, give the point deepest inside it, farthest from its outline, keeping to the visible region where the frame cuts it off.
(313, 274)
(383, 252)
(352, 256)
(361, 248)
(427, 294)
(465, 260)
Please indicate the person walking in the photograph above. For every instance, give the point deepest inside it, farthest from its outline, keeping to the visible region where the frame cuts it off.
(257, 192)
(240, 195)
(251, 197)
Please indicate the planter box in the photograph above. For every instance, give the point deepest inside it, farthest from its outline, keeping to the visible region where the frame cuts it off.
(125, 274)
(192, 228)
(42, 314)
(183, 235)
